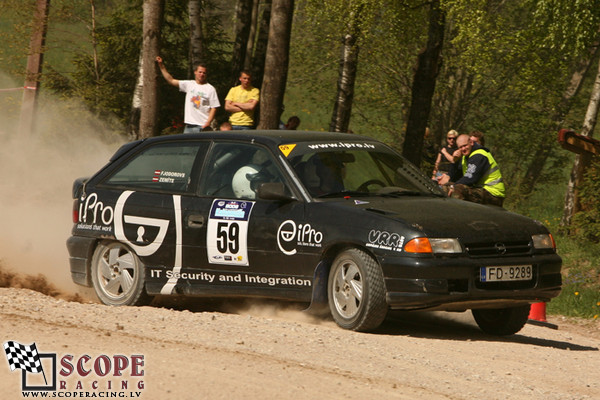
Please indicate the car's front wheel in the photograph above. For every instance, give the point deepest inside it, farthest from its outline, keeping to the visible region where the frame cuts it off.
(118, 275)
(501, 321)
(356, 291)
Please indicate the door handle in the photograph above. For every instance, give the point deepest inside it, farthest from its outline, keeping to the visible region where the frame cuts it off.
(195, 221)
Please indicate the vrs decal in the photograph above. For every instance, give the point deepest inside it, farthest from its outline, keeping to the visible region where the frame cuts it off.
(227, 232)
(290, 235)
(385, 240)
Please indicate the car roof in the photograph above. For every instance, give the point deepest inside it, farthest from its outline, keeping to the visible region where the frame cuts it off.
(267, 137)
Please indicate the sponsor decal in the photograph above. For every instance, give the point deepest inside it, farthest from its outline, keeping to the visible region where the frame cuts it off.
(341, 145)
(142, 222)
(223, 278)
(95, 215)
(227, 232)
(68, 375)
(286, 149)
(291, 235)
(385, 240)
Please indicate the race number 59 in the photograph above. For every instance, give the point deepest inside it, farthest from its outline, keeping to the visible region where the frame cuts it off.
(228, 237)
(227, 232)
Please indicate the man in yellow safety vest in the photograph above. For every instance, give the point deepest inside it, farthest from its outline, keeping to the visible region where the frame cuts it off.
(475, 175)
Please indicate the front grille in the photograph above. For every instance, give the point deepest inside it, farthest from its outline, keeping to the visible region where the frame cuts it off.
(498, 249)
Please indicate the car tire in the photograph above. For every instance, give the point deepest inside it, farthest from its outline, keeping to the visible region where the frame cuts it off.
(118, 275)
(501, 321)
(356, 291)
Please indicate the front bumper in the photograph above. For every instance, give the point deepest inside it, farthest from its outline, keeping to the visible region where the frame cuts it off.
(453, 283)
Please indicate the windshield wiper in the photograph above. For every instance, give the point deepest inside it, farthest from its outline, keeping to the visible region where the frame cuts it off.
(400, 193)
(345, 193)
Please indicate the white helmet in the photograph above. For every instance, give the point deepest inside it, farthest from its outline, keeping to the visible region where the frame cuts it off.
(242, 181)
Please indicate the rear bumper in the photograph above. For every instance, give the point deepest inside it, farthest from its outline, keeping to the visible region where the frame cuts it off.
(81, 250)
(453, 284)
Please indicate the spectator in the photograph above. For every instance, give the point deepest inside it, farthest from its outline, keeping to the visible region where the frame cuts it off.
(445, 157)
(477, 137)
(225, 126)
(201, 101)
(241, 102)
(476, 175)
(292, 123)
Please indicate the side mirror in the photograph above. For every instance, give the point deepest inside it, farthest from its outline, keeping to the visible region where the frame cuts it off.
(273, 191)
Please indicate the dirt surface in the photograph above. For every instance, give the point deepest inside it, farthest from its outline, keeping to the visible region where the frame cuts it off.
(266, 352)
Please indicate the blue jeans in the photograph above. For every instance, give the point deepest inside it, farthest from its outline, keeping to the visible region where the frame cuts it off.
(192, 129)
(241, 127)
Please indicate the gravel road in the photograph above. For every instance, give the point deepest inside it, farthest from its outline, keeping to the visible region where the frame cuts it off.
(264, 351)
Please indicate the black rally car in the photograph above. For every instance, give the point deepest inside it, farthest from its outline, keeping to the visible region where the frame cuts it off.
(303, 216)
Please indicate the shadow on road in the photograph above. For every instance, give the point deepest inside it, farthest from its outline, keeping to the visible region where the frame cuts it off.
(459, 326)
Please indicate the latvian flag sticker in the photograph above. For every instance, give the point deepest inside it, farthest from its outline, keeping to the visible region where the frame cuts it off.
(156, 175)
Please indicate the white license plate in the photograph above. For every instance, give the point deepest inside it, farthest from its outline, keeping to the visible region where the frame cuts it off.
(506, 273)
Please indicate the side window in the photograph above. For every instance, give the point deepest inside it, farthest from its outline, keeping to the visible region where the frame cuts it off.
(165, 167)
(236, 170)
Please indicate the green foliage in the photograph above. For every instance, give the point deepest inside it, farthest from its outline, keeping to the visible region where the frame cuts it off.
(577, 301)
(587, 221)
(581, 261)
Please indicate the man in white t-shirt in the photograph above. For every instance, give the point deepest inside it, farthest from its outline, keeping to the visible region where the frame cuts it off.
(201, 101)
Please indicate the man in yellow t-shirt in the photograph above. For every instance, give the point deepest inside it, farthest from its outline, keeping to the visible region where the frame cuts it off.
(241, 102)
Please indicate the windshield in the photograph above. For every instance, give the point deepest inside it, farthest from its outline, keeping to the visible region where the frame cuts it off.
(372, 169)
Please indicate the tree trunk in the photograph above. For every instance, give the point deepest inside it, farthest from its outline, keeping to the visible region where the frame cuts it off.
(536, 166)
(34, 67)
(424, 85)
(582, 162)
(260, 50)
(196, 37)
(276, 64)
(153, 14)
(136, 103)
(342, 109)
(251, 36)
(243, 22)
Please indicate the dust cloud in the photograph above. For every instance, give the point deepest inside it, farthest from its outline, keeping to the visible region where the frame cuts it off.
(36, 202)
(38, 171)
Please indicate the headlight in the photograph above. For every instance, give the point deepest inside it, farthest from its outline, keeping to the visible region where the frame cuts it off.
(545, 241)
(436, 246)
(445, 245)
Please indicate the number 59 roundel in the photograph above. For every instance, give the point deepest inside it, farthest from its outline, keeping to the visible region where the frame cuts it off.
(227, 232)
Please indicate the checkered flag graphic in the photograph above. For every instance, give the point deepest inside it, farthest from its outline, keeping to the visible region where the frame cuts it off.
(23, 357)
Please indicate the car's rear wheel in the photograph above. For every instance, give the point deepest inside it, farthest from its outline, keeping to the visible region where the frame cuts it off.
(118, 275)
(356, 291)
(501, 321)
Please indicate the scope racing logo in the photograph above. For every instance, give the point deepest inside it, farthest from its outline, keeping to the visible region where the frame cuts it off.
(102, 376)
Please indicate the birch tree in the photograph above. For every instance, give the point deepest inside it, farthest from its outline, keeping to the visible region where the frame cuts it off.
(582, 161)
(153, 15)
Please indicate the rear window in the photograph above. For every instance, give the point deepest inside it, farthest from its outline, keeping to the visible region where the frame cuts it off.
(165, 167)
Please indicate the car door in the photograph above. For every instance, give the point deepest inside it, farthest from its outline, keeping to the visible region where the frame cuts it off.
(145, 196)
(235, 242)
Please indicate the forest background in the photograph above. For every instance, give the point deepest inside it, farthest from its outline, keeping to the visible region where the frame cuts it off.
(518, 71)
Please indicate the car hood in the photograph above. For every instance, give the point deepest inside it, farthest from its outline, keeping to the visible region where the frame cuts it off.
(446, 217)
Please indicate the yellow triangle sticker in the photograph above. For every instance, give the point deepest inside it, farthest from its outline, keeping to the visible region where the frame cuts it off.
(286, 149)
